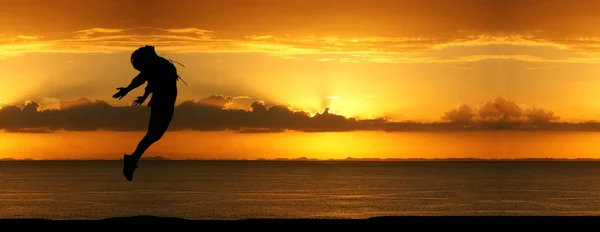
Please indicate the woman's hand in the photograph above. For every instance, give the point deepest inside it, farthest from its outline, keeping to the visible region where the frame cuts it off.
(139, 101)
(122, 92)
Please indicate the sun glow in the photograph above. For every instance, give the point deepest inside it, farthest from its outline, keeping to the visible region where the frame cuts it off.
(356, 107)
(11, 94)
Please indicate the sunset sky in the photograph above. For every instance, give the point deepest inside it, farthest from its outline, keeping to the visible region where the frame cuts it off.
(399, 78)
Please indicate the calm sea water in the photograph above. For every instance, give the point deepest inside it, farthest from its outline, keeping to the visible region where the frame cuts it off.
(235, 190)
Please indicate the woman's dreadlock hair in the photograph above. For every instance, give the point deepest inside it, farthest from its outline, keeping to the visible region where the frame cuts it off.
(178, 77)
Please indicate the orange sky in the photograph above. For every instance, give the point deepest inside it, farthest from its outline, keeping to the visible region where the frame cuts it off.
(520, 62)
(327, 145)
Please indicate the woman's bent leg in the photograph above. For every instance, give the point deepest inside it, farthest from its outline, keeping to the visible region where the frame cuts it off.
(160, 119)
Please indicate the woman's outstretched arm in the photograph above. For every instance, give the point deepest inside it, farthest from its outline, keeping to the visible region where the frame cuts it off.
(136, 82)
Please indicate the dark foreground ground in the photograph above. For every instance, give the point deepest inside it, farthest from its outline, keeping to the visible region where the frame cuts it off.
(379, 223)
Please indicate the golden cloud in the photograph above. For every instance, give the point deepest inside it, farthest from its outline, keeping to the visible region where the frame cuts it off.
(311, 47)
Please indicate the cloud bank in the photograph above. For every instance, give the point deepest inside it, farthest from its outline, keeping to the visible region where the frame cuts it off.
(502, 113)
(195, 40)
(399, 31)
(212, 114)
(426, 48)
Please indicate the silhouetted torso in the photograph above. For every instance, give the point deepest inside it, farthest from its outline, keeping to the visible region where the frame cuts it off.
(162, 82)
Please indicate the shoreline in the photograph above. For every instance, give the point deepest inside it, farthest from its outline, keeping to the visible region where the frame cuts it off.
(441, 222)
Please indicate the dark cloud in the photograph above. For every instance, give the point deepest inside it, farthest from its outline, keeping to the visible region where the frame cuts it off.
(212, 114)
(501, 113)
(462, 114)
(216, 101)
(540, 115)
(208, 114)
(499, 109)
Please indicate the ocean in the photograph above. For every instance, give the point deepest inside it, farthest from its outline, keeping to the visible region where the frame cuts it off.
(286, 189)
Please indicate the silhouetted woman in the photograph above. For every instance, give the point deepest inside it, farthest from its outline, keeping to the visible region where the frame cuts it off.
(162, 78)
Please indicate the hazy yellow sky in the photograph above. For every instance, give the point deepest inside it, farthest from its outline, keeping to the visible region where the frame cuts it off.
(462, 61)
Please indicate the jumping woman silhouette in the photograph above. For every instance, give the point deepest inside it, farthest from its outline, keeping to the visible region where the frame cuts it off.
(162, 78)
